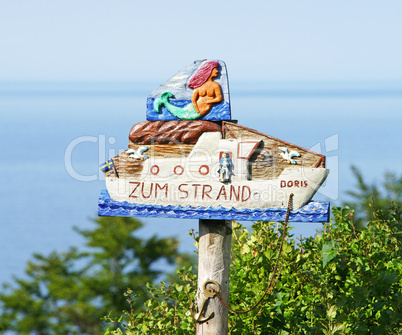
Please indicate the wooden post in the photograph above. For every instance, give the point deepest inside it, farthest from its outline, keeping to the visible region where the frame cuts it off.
(213, 264)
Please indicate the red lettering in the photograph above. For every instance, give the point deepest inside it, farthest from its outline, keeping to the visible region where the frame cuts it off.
(184, 191)
(195, 189)
(205, 192)
(233, 192)
(165, 187)
(150, 191)
(135, 188)
(222, 192)
(295, 183)
(243, 199)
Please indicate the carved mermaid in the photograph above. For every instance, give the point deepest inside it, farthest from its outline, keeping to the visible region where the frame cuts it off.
(206, 93)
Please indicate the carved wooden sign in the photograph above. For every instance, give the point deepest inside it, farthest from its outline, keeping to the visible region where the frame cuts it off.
(190, 160)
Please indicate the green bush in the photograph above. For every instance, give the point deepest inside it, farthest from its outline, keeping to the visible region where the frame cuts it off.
(343, 281)
(69, 292)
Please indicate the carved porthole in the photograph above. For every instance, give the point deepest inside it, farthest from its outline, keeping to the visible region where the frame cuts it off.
(203, 170)
(178, 170)
(154, 169)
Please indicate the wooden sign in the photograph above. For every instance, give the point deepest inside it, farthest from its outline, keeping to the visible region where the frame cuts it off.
(189, 160)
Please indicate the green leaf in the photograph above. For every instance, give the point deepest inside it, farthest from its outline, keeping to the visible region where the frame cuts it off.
(331, 313)
(328, 253)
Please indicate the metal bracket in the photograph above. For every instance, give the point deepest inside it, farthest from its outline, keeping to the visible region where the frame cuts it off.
(208, 293)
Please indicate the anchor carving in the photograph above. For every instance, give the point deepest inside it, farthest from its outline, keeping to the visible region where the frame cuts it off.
(208, 293)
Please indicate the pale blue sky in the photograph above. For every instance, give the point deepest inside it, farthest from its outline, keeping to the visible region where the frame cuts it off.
(151, 40)
(122, 40)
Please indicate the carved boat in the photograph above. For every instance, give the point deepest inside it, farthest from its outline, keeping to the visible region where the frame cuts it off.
(181, 170)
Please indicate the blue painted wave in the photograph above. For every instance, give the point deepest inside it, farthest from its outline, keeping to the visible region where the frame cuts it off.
(314, 211)
(218, 112)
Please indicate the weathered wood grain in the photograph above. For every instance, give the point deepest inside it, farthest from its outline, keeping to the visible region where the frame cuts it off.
(267, 163)
(127, 166)
(213, 264)
(171, 132)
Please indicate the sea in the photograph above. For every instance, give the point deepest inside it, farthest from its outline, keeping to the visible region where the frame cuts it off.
(54, 135)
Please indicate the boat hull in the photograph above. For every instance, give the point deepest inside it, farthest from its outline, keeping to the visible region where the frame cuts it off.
(258, 195)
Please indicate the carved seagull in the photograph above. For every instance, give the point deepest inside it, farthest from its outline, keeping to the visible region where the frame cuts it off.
(289, 155)
(137, 154)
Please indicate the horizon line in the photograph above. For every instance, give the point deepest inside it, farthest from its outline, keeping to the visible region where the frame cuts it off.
(244, 89)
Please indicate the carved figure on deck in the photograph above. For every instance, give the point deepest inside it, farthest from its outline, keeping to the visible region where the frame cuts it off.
(225, 168)
(206, 93)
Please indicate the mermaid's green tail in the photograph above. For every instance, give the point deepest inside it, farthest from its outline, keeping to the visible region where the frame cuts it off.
(183, 113)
